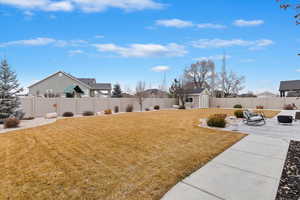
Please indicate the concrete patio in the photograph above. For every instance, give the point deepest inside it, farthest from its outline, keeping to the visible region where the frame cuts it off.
(250, 169)
(273, 128)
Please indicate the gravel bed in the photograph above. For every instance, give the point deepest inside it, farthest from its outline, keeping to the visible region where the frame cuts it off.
(289, 187)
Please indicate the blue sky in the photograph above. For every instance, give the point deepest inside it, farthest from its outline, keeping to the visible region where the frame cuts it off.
(124, 40)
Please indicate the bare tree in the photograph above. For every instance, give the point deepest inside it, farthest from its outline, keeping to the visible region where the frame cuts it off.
(201, 74)
(291, 4)
(231, 83)
(177, 90)
(140, 93)
(294, 4)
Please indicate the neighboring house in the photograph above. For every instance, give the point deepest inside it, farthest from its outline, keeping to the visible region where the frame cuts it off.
(61, 84)
(197, 98)
(127, 95)
(155, 93)
(291, 87)
(266, 94)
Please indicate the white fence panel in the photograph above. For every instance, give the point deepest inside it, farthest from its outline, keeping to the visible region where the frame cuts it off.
(38, 107)
(267, 103)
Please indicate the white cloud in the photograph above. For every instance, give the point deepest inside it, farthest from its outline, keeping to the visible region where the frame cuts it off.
(31, 42)
(261, 44)
(75, 52)
(212, 26)
(28, 13)
(297, 70)
(249, 60)
(177, 23)
(220, 43)
(43, 41)
(128, 5)
(143, 50)
(52, 16)
(160, 68)
(99, 36)
(215, 57)
(84, 5)
(59, 6)
(243, 23)
(46, 5)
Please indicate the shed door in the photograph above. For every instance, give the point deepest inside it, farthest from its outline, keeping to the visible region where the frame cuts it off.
(204, 101)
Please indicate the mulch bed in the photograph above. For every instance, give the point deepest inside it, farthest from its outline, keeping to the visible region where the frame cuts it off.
(289, 187)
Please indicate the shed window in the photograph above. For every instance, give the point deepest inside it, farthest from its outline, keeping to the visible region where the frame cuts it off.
(189, 100)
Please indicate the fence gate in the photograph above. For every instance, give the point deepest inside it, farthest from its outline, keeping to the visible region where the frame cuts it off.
(204, 101)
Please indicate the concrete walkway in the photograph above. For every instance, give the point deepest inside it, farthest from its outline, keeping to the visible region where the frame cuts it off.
(28, 124)
(250, 169)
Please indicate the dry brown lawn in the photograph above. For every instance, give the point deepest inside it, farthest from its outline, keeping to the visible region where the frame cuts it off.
(120, 157)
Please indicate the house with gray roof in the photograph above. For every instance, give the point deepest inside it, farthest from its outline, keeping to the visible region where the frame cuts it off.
(61, 84)
(292, 87)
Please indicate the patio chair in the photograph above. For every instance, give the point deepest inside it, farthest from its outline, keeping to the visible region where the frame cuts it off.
(297, 116)
(285, 119)
(253, 118)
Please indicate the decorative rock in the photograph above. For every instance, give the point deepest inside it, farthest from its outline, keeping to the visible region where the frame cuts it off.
(51, 115)
(289, 187)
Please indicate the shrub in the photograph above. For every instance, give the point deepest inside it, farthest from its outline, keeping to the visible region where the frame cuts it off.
(182, 107)
(11, 123)
(28, 118)
(116, 109)
(156, 107)
(288, 107)
(147, 109)
(216, 121)
(259, 107)
(239, 114)
(68, 114)
(129, 108)
(238, 106)
(108, 112)
(88, 113)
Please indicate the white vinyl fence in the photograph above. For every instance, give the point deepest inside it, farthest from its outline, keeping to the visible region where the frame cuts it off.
(267, 103)
(38, 107)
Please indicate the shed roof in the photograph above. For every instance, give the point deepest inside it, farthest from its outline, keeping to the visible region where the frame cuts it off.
(194, 91)
(101, 86)
(289, 85)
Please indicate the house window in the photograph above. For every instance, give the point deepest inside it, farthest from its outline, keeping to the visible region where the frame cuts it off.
(189, 100)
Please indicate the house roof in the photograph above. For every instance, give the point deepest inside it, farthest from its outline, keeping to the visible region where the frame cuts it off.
(101, 86)
(88, 81)
(66, 74)
(289, 85)
(266, 93)
(194, 91)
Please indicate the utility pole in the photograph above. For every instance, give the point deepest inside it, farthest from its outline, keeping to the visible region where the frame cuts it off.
(223, 74)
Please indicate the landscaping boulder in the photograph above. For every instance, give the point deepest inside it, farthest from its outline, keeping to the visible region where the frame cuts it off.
(51, 115)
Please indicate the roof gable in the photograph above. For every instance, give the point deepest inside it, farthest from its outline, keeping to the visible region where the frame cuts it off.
(65, 74)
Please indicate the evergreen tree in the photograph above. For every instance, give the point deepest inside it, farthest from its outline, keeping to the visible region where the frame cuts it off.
(9, 88)
(117, 92)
